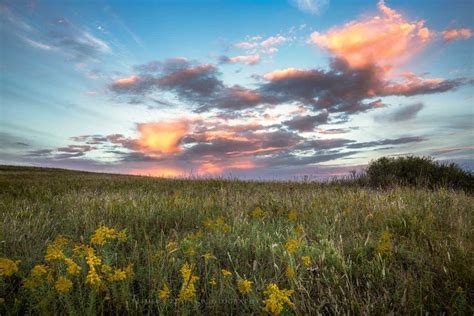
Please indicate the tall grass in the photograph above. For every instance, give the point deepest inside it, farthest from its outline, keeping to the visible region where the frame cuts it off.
(400, 250)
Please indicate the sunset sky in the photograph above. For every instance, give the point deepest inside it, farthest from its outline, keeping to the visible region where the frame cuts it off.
(249, 89)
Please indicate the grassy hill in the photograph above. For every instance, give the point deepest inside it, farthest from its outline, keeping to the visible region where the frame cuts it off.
(85, 243)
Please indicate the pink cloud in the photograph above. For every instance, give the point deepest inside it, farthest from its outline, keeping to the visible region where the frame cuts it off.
(387, 40)
(454, 34)
(246, 59)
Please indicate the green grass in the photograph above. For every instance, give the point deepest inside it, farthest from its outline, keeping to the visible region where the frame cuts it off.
(401, 250)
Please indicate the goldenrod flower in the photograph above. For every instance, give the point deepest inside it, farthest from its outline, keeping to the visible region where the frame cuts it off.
(91, 258)
(306, 260)
(213, 282)
(54, 252)
(292, 245)
(61, 241)
(209, 256)
(276, 299)
(72, 267)
(190, 252)
(299, 229)
(103, 234)
(171, 246)
(92, 277)
(38, 271)
(257, 213)
(63, 285)
(8, 267)
(292, 215)
(118, 275)
(385, 244)
(129, 270)
(80, 250)
(290, 272)
(188, 288)
(226, 273)
(164, 293)
(218, 224)
(105, 268)
(244, 286)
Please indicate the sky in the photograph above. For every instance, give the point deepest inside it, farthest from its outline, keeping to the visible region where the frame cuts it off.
(245, 89)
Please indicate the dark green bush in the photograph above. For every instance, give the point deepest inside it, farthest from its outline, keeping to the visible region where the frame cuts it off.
(417, 171)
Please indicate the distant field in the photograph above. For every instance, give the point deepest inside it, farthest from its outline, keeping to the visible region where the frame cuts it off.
(145, 245)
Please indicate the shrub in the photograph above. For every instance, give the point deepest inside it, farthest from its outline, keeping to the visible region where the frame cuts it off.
(417, 171)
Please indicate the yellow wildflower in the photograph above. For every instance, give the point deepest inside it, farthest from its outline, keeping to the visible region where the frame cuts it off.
(118, 275)
(188, 288)
(8, 267)
(103, 234)
(80, 250)
(385, 244)
(164, 293)
(190, 252)
(292, 215)
(129, 270)
(92, 277)
(54, 252)
(244, 286)
(105, 268)
(218, 224)
(292, 245)
(2, 300)
(276, 299)
(209, 256)
(306, 261)
(213, 282)
(290, 272)
(38, 271)
(72, 267)
(257, 213)
(61, 241)
(226, 273)
(63, 285)
(299, 229)
(171, 246)
(91, 258)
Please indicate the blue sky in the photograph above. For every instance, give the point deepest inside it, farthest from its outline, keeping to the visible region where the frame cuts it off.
(254, 89)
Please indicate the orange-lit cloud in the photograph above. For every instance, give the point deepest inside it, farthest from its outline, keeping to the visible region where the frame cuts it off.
(246, 59)
(454, 34)
(386, 40)
(125, 82)
(283, 74)
(162, 137)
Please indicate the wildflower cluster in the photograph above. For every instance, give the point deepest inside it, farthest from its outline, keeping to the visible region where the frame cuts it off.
(257, 213)
(103, 234)
(244, 286)
(8, 267)
(218, 224)
(276, 299)
(188, 288)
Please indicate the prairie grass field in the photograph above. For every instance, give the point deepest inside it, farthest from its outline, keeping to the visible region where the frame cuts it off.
(83, 243)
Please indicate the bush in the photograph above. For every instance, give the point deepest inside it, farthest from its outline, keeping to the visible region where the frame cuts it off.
(417, 171)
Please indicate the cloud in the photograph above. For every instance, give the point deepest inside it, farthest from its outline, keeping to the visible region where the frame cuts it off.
(257, 46)
(78, 45)
(387, 39)
(307, 123)
(455, 34)
(346, 89)
(395, 141)
(246, 59)
(401, 114)
(161, 137)
(311, 6)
